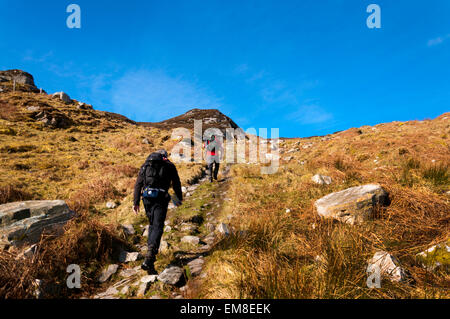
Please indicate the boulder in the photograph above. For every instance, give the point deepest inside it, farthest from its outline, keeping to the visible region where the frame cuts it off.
(24, 222)
(210, 227)
(195, 266)
(111, 205)
(126, 273)
(143, 287)
(223, 229)
(126, 256)
(194, 240)
(387, 265)
(33, 108)
(188, 227)
(321, 179)
(128, 229)
(108, 272)
(62, 96)
(353, 205)
(163, 246)
(110, 293)
(53, 119)
(149, 279)
(172, 275)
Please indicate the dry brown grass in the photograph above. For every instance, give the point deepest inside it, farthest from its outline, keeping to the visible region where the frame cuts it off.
(8, 112)
(10, 193)
(299, 255)
(85, 242)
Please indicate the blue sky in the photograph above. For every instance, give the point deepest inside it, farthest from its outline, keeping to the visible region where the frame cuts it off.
(309, 67)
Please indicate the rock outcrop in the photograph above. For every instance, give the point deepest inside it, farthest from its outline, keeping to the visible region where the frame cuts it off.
(62, 96)
(24, 222)
(24, 81)
(352, 205)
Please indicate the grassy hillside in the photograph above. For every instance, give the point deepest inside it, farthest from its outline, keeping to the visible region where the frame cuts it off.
(282, 249)
(88, 158)
(279, 247)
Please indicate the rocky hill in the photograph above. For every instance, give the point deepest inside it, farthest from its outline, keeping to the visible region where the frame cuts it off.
(339, 205)
(17, 80)
(210, 119)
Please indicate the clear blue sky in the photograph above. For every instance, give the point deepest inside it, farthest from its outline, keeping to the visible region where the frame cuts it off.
(308, 67)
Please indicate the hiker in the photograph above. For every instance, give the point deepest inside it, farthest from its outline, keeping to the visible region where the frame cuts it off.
(213, 152)
(153, 182)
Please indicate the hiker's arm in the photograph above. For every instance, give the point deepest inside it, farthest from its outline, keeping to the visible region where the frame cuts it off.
(138, 188)
(176, 183)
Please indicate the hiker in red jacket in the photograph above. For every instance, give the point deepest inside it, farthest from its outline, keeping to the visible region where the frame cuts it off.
(213, 152)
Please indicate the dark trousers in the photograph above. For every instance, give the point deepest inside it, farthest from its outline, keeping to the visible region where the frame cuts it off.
(156, 211)
(216, 170)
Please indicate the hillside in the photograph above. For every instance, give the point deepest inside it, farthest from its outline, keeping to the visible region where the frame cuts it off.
(274, 244)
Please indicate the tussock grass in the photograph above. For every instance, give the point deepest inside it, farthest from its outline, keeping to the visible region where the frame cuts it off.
(85, 242)
(10, 193)
(437, 174)
(299, 255)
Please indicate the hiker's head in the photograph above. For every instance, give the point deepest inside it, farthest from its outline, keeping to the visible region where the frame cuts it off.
(163, 153)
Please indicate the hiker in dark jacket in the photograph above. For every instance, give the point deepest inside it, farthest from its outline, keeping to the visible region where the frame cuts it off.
(214, 150)
(153, 182)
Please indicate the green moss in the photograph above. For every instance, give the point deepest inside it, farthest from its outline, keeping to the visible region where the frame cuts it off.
(439, 255)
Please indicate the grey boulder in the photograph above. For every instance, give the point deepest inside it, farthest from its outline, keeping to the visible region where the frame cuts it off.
(172, 275)
(108, 272)
(321, 179)
(62, 96)
(24, 222)
(352, 205)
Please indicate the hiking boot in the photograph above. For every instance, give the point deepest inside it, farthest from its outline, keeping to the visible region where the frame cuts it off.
(149, 261)
(148, 265)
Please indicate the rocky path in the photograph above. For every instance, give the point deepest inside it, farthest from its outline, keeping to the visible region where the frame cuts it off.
(190, 235)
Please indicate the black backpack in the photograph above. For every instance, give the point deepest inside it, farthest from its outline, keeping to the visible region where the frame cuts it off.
(154, 171)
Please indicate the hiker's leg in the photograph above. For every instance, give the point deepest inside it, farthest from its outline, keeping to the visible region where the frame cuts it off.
(210, 171)
(159, 216)
(150, 258)
(210, 159)
(216, 169)
(149, 211)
